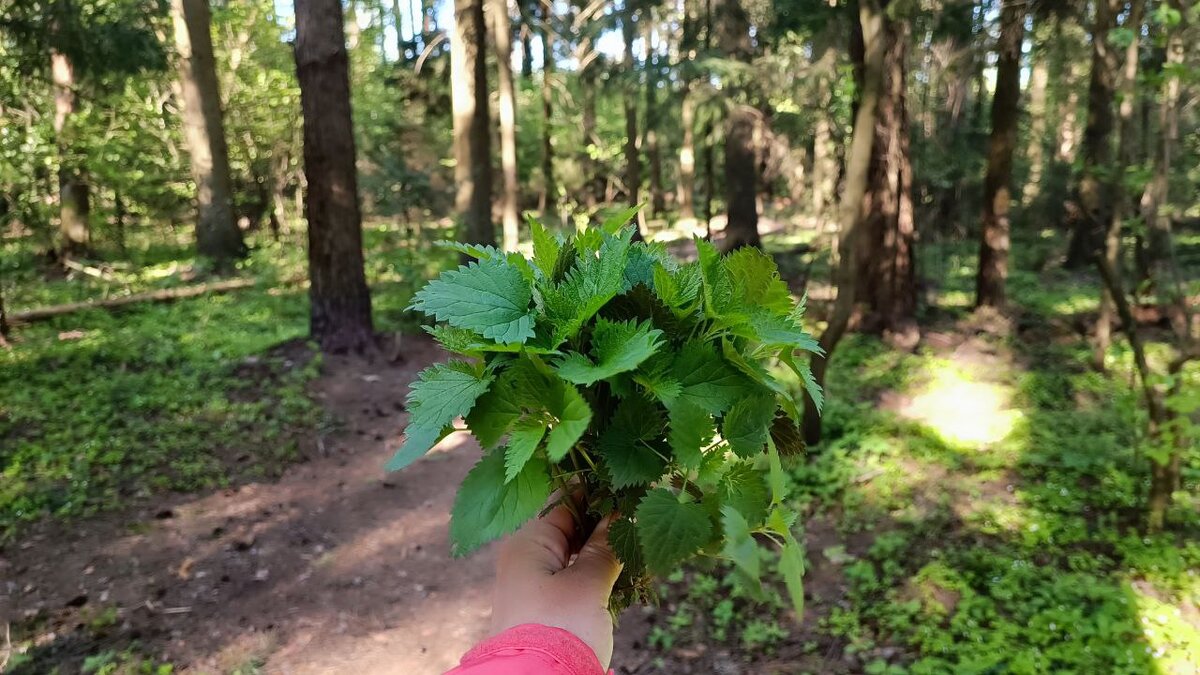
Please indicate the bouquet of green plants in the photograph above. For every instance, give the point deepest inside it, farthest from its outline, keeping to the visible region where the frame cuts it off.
(639, 382)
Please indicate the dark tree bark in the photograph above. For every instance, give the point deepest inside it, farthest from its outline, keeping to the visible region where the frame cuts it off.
(472, 140)
(741, 156)
(824, 166)
(593, 182)
(868, 34)
(1094, 186)
(658, 202)
(633, 168)
(3, 320)
(549, 185)
(997, 188)
(886, 286)
(502, 35)
(340, 315)
(688, 43)
(74, 195)
(217, 233)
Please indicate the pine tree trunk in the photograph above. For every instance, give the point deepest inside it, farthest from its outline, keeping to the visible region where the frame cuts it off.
(472, 140)
(887, 278)
(1035, 152)
(340, 314)
(217, 234)
(997, 188)
(549, 185)
(825, 164)
(851, 211)
(73, 193)
(502, 29)
(741, 153)
(688, 44)
(633, 169)
(1094, 186)
(658, 202)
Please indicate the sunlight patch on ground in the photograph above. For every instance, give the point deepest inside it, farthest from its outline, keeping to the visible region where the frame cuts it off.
(963, 411)
(1171, 640)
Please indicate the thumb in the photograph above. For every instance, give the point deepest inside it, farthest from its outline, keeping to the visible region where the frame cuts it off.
(597, 565)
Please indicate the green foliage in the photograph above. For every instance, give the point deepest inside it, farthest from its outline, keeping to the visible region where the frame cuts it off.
(605, 362)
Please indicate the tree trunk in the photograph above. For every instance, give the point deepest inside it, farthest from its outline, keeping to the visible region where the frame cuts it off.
(502, 28)
(217, 233)
(997, 188)
(741, 156)
(658, 202)
(73, 192)
(633, 169)
(472, 140)
(4, 334)
(887, 279)
(852, 212)
(1093, 190)
(688, 52)
(1126, 157)
(1067, 142)
(1158, 241)
(1035, 153)
(549, 185)
(825, 164)
(593, 182)
(340, 314)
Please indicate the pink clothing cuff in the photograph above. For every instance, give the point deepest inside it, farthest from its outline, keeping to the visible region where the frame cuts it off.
(558, 647)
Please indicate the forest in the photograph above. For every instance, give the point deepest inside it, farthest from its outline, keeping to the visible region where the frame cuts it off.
(898, 300)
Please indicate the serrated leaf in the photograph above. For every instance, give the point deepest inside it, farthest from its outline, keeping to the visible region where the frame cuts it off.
(623, 537)
(615, 222)
(746, 427)
(545, 246)
(643, 260)
(417, 442)
(755, 371)
(490, 297)
(691, 429)
(487, 507)
(573, 417)
(493, 414)
(715, 284)
(742, 550)
(617, 347)
(589, 285)
(522, 443)
(744, 488)
(756, 281)
(782, 331)
(443, 392)
(477, 251)
(670, 531)
(804, 372)
(791, 557)
(776, 479)
(706, 380)
(786, 436)
(626, 444)
(565, 260)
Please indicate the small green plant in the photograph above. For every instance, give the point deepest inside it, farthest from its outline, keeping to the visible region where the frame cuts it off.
(606, 367)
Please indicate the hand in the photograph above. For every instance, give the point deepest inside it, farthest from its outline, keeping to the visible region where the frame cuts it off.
(536, 582)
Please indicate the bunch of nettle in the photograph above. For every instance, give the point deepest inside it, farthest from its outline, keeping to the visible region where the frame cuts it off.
(640, 382)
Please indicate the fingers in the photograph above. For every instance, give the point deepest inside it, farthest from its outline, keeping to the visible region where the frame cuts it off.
(542, 545)
(597, 567)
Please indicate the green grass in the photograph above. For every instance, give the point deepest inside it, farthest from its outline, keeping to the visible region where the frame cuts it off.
(97, 407)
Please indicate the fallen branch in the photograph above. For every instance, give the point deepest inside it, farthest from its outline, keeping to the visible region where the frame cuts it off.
(165, 295)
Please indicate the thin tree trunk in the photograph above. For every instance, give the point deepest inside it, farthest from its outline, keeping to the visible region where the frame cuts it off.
(217, 233)
(741, 156)
(853, 200)
(593, 182)
(4, 331)
(1126, 157)
(687, 156)
(472, 140)
(340, 313)
(549, 185)
(1093, 190)
(633, 169)
(997, 188)
(825, 164)
(502, 28)
(73, 192)
(1035, 153)
(658, 202)
(397, 21)
(1157, 195)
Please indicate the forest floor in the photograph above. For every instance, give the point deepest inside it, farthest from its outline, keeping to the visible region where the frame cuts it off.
(974, 507)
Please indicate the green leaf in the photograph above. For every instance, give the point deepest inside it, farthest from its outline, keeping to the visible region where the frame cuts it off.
(786, 436)
(741, 549)
(616, 346)
(477, 251)
(644, 259)
(706, 380)
(545, 246)
(754, 370)
(618, 220)
(494, 413)
(776, 479)
(490, 297)
(744, 488)
(716, 286)
(417, 442)
(487, 507)
(623, 536)
(589, 285)
(573, 416)
(782, 331)
(443, 392)
(458, 340)
(670, 531)
(691, 429)
(522, 443)
(756, 281)
(791, 557)
(626, 444)
(804, 372)
(747, 425)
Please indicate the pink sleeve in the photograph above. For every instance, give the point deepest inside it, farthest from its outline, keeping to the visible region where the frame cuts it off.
(530, 649)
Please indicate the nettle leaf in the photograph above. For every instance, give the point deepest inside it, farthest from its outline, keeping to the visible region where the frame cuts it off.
(488, 507)
(443, 392)
(626, 444)
(670, 531)
(691, 429)
(754, 370)
(623, 536)
(706, 380)
(804, 372)
(477, 251)
(747, 425)
(791, 557)
(744, 488)
(781, 331)
(617, 347)
(572, 419)
(755, 279)
(490, 297)
(417, 442)
(522, 443)
(618, 220)
(595, 279)
(545, 246)
(786, 436)
(493, 414)
(742, 550)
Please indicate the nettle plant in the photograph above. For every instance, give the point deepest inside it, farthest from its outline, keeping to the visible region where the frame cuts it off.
(609, 369)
